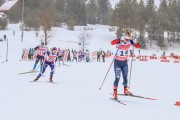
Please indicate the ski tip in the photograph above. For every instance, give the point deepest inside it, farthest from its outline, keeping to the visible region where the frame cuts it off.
(177, 103)
(117, 101)
(153, 99)
(32, 81)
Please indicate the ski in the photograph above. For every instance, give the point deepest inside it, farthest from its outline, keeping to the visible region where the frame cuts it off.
(46, 82)
(65, 64)
(117, 101)
(137, 96)
(28, 72)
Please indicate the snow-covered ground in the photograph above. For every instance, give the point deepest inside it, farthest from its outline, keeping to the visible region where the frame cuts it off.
(76, 96)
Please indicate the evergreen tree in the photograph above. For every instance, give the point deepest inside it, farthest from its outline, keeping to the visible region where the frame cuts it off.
(178, 25)
(125, 15)
(163, 15)
(15, 14)
(60, 5)
(3, 21)
(173, 13)
(76, 10)
(151, 17)
(141, 23)
(162, 22)
(60, 8)
(71, 23)
(91, 14)
(104, 11)
(134, 14)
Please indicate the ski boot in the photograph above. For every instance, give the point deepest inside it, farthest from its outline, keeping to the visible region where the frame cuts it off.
(36, 79)
(126, 91)
(50, 80)
(115, 94)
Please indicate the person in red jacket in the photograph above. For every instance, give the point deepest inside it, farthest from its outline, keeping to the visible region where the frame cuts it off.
(120, 61)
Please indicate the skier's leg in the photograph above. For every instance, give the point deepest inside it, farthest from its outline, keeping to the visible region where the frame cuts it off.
(36, 62)
(125, 80)
(40, 74)
(52, 71)
(62, 59)
(125, 73)
(42, 63)
(59, 60)
(117, 71)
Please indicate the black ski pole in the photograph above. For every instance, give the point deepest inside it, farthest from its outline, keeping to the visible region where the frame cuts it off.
(108, 70)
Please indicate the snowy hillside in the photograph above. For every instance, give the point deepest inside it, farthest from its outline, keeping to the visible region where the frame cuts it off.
(76, 94)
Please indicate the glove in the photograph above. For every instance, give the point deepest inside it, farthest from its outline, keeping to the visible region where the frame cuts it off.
(116, 41)
(137, 45)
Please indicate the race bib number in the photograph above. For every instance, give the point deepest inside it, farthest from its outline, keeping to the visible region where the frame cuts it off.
(123, 52)
(51, 59)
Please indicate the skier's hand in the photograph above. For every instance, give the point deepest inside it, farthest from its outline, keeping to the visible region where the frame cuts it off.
(116, 41)
(137, 45)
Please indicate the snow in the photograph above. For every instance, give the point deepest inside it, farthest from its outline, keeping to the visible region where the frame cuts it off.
(8, 4)
(76, 96)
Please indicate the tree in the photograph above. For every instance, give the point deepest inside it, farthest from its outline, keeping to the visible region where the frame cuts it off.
(151, 17)
(77, 10)
(46, 20)
(60, 8)
(71, 23)
(141, 24)
(178, 26)
(104, 11)
(174, 19)
(91, 15)
(31, 13)
(125, 15)
(3, 21)
(15, 14)
(162, 22)
(84, 36)
(32, 20)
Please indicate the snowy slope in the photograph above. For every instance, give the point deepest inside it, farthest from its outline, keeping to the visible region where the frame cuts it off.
(76, 96)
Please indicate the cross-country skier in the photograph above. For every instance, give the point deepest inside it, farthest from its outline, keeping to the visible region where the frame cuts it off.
(60, 56)
(39, 55)
(75, 55)
(50, 58)
(87, 55)
(120, 61)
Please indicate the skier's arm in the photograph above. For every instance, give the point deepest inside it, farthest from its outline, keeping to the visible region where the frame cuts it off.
(116, 41)
(35, 54)
(47, 53)
(137, 45)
